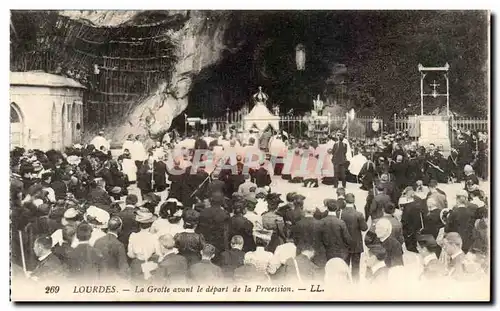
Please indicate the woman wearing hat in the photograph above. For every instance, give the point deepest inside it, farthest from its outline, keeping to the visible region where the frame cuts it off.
(142, 246)
(272, 222)
(170, 221)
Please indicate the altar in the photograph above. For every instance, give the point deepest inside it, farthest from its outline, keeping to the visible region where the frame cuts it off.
(435, 130)
(260, 117)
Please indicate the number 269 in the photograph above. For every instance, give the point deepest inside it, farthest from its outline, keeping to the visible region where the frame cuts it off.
(51, 289)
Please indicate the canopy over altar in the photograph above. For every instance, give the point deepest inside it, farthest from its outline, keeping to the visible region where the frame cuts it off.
(260, 117)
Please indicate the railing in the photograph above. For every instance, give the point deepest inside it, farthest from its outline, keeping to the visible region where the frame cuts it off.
(472, 124)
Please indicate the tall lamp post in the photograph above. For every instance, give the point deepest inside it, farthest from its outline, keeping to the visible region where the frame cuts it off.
(423, 72)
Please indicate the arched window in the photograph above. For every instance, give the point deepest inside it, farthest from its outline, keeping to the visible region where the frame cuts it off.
(15, 114)
(16, 126)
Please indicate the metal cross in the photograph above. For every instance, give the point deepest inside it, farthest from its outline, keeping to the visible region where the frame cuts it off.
(434, 85)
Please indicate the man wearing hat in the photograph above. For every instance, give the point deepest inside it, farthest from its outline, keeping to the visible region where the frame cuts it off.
(462, 218)
(71, 218)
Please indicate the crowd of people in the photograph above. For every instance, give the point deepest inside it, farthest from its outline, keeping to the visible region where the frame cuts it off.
(193, 221)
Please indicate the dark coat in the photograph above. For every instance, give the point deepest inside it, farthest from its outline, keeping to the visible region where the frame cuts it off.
(49, 270)
(172, 270)
(399, 170)
(412, 220)
(205, 272)
(194, 182)
(144, 177)
(355, 223)
(394, 252)
(230, 260)
(308, 271)
(213, 225)
(85, 262)
(262, 177)
(339, 152)
(335, 237)
(432, 223)
(160, 176)
(309, 231)
(114, 256)
(189, 245)
(99, 197)
(461, 220)
(63, 252)
(239, 225)
(176, 185)
(60, 189)
(127, 215)
(377, 205)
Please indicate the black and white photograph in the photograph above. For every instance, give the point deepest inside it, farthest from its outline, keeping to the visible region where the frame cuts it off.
(250, 155)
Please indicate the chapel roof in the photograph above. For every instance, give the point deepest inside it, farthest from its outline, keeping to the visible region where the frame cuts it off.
(39, 78)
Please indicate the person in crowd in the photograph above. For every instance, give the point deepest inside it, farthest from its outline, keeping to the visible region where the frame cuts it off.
(394, 250)
(248, 186)
(480, 238)
(49, 267)
(189, 243)
(250, 272)
(374, 207)
(204, 271)
(432, 221)
(301, 269)
(329, 237)
(428, 248)
(337, 272)
(115, 263)
(376, 263)
(98, 195)
(339, 159)
(239, 225)
(213, 221)
(142, 246)
(85, 261)
(170, 220)
(127, 215)
(232, 258)
(273, 222)
(64, 248)
(250, 203)
(172, 268)
(356, 224)
(437, 194)
(452, 245)
(412, 218)
(462, 219)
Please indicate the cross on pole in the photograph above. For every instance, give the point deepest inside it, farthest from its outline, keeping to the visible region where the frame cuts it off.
(434, 85)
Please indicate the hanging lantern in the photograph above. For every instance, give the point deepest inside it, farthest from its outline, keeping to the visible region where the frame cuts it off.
(300, 57)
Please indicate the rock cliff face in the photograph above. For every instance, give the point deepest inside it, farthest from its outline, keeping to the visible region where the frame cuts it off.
(200, 43)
